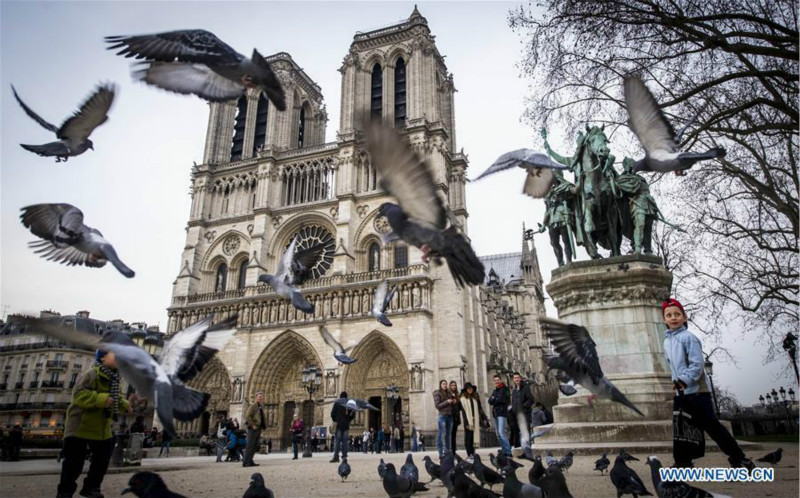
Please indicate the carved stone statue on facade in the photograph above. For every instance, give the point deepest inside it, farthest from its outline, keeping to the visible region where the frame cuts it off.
(416, 378)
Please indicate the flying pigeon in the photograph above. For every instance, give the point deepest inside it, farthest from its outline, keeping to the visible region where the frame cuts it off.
(513, 488)
(66, 239)
(567, 389)
(149, 485)
(257, 488)
(339, 352)
(541, 170)
(421, 218)
(566, 461)
(344, 469)
(554, 485)
(73, 135)
(183, 357)
(433, 469)
(772, 458)
(396, 486)
(662, 151)
(675, 489)
(410, 471)
(602, 463)
(381, 302)
(626, 480)
(356, 404)
(484, 474)
(285, 279)
(579, 354)
(195, 61)
(627, 457)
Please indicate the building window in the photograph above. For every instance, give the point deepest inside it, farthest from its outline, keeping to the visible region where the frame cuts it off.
(308, 181)
(54, 375)
(374, 263)
(400, 94)
(239, 128)
(376, 106)
(221, 280)
(262, 113)
(301, 128)
(73, 379)
(242, 274)
(400, 256)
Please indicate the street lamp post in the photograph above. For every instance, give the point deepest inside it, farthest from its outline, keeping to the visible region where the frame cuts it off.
(710, 371)
(790, 346)
(311, 381)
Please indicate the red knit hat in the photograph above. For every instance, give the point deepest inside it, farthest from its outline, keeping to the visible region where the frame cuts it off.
(672, 302)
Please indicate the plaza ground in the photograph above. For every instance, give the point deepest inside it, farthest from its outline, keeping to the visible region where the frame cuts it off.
(201, 477)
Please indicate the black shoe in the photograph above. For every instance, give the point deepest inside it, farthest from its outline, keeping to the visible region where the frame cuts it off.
(254, 464)
(95, 493)
(334, 460)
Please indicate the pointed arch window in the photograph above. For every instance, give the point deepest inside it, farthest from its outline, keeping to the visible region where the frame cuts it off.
(220, 281)
(376, 106)
(238, 129)
(262, 113)
(400, 93)
(301, 128)
(374, 257)
(400, 256)
(242, 274)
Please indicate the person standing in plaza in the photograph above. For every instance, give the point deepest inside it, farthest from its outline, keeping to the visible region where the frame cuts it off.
(684, 354)
(14, 443)
(342, 417)
(166, 440)
(379, 438)
(472, 416)
(297, 433)
(402, 442)
(365, 441)
(255, 423)
(500, 400)
(96, 402)
(222, 436)
(414, 437)
(521, 405)
(456, 409)
(396, 437)
(444, 401)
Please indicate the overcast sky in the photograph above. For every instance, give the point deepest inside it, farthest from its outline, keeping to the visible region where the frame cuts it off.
(134, 186)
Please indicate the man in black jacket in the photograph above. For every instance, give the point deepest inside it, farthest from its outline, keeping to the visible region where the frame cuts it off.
(499, 400)
(342, 417)
(521, 404)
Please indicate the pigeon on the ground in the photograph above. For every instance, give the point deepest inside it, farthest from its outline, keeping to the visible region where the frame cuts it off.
(149, 485)
(566, 461)
(464, 487)
(567, 389)
(434, 470)
(504, 461)
(772, 458)
(493, 460)
(396, 486)
(381, 301)
(675, 489)
(541, 170)
(195, 61)
(554, 484)
(513, 488)
(484, 474)
(662, 150)
(550, 459)
(602, 463)
(344, 469)
(410, 471)
(356, 404)
(537, 471)
(339, 352)
(285, 279)
(257, 488)
(421, 217)
(67, 240)
(627, 456)
(164, 381)
(446, 467)
(73, 135)
(626, 480)
(381, 469)
(578, 351)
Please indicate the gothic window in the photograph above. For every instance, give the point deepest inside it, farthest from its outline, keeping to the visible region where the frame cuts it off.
(262, 113)
(301, 130)
(400, 94)
(239, 128)
(376, 106)
(225, 200)
(308, 182)
(374, 263)
(310, 236)
(221, 278)
(400, 256)
(242, 274)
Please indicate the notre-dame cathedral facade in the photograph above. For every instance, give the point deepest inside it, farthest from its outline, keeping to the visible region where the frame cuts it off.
(268, 177)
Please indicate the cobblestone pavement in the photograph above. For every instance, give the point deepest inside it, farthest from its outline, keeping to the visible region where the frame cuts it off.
(201, 477)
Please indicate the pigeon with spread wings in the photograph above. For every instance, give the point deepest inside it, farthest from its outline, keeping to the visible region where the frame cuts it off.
(356, 404)
(660, 142)
(339, 352)
(381, 302)
(73, 134)
(67, 240)
(543, 172)
(578, 351)
(184, 355)
(195, 61)
(420, 218)
(286, 278)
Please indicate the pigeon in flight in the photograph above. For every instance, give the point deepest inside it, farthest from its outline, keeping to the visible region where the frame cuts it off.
(772, 458)
(73, 135)
(568, 389)
(356, 404)
(579, 354)
(675, 489)
(602, 463)
(344, 469)
(149, 485)
(421, 218)
(66, 239)
(291, 272)
(257, 488)
(195, 61)
(183, 357)
(541, 170)
(381, 302)
(513, 488)
(626, 480)
(662, 150)
(339, 352)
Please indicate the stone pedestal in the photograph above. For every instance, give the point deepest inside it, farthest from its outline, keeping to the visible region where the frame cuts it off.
(618, 300)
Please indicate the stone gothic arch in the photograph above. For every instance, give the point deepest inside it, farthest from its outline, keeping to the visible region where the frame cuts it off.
(215, 381)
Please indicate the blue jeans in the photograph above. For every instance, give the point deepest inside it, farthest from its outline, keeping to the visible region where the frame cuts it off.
(414, 445)
(340, 442)
(445, 426)
(500, 427)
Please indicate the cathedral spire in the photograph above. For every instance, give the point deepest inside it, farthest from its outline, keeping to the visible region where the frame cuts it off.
(416, 16)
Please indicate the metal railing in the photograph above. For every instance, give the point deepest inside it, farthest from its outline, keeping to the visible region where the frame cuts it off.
(48, 384)
(57, 364)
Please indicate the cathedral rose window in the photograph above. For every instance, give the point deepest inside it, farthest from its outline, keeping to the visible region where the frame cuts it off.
(312, 235)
